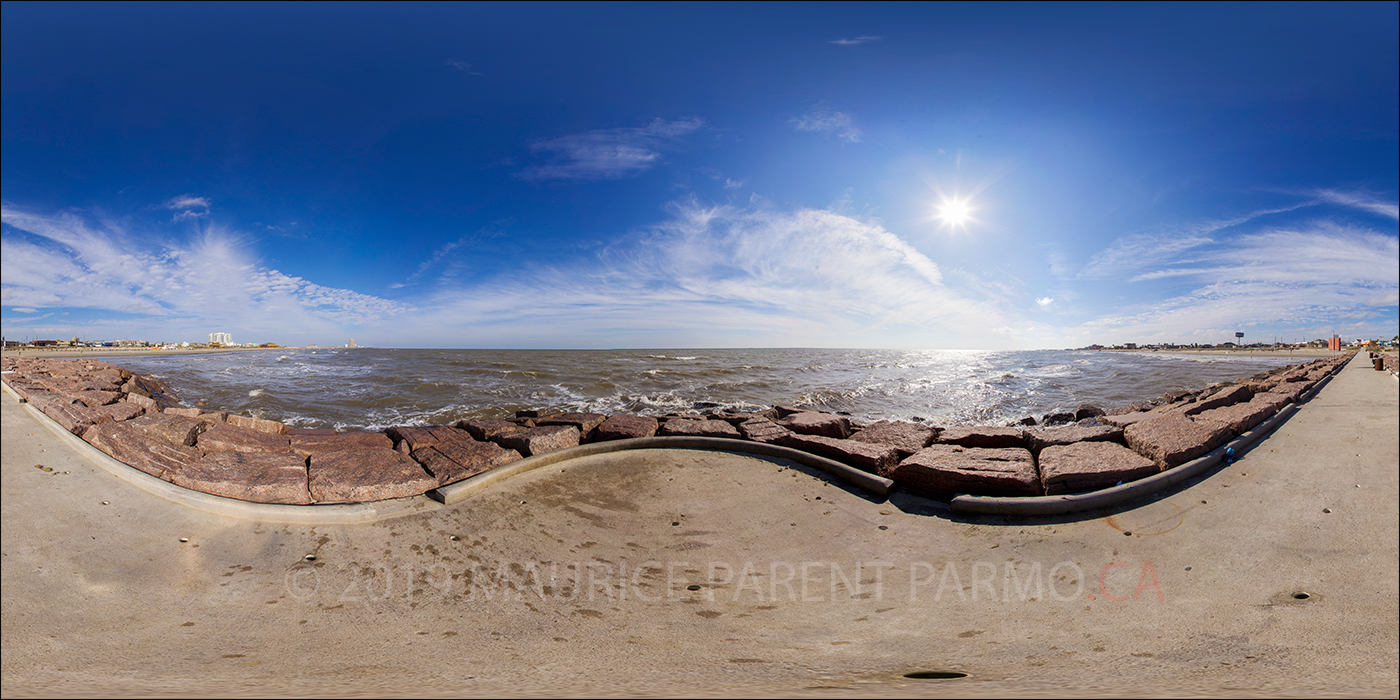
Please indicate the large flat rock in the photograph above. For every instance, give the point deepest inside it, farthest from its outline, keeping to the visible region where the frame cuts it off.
(359, 476)
(1241, 416)
(982, 436)
(817, 423)
(488, 428)
(946, 470)
(623, 426)
(222, 437)
(260, 477)
(137, 448)
(539, 440)
(1226, 396)
(585, 422)
(1089, 466)
(762, 429)
(307, 445)
(1040, 439)
(178, 430)
(261, 425)
(906, 438)
(871, 457)
(1172, 439)
(699, 428)
(454, 460)
(406, 439)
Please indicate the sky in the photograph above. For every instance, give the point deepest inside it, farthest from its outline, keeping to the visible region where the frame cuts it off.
(686, 175)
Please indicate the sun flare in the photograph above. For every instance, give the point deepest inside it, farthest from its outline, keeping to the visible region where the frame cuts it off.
(955, 211)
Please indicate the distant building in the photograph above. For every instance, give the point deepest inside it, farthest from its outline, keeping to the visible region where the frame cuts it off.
(351, 344)
(221, 338)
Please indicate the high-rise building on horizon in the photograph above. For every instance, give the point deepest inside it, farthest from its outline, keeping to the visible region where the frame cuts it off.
(221, 338)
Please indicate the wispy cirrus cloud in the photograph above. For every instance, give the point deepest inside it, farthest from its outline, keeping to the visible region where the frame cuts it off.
(1360, 200)
(831, 123)
(462, 67)
(62, 261)
(856, 41)
(607, 154)
(188, 207)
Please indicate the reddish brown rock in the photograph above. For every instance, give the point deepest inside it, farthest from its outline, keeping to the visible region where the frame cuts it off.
(1241, 416)
(119, 411)
(455, 460)
(585, 422)
(815, 423)
(143, 401)
(983, 436)
(871, 457)
(94, 399)
(358, 476)
(763, 430)
(1087, 411)
(260, 477)
(484, 429)
(1124, 420)
(261, 425)
(307, 445)
(699, 428)
(1089, 466)
(538, 441)
(1228, 396)
(406, 439)
(1041, 439)
(199, 414)
(305, 431)
(1172, 439)
(139, 449)
(74, 417)
(142, 385)
(906, 438)
(621, 427)
(176, 429)
(946, 470)
(221, 437)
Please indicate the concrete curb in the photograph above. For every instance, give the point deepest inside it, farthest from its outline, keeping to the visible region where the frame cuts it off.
(456, 492)
(1114, 495)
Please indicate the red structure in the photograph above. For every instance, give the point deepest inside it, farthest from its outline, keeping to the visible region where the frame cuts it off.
(1334, 343)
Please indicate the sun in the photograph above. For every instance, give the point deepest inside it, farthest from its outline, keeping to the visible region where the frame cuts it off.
(955, 212)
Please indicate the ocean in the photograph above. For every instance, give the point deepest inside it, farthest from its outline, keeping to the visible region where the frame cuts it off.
(371, 389)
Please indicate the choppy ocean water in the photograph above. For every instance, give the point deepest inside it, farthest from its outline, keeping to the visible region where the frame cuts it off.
(366, 388)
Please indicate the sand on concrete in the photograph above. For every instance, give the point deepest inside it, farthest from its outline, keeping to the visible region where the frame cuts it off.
(576, 580)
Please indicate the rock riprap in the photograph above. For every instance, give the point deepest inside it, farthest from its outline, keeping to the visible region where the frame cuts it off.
(138, 421)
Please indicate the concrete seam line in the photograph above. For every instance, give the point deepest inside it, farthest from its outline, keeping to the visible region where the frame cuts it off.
(1113, 495)
(457, 491)
(328, 514)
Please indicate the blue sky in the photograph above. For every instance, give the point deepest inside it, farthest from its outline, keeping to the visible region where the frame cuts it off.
(700, 175)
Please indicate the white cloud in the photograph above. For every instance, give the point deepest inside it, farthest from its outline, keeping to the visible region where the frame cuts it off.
(462, 66)
(211, 279)
(1285, 277)
(837, 124)
(1361, 201)
(607, 154)
(725, 275)
(1044, 302)
(188, 207)
(856, 41)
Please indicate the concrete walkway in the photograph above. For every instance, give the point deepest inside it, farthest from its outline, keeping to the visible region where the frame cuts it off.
(692, 573)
